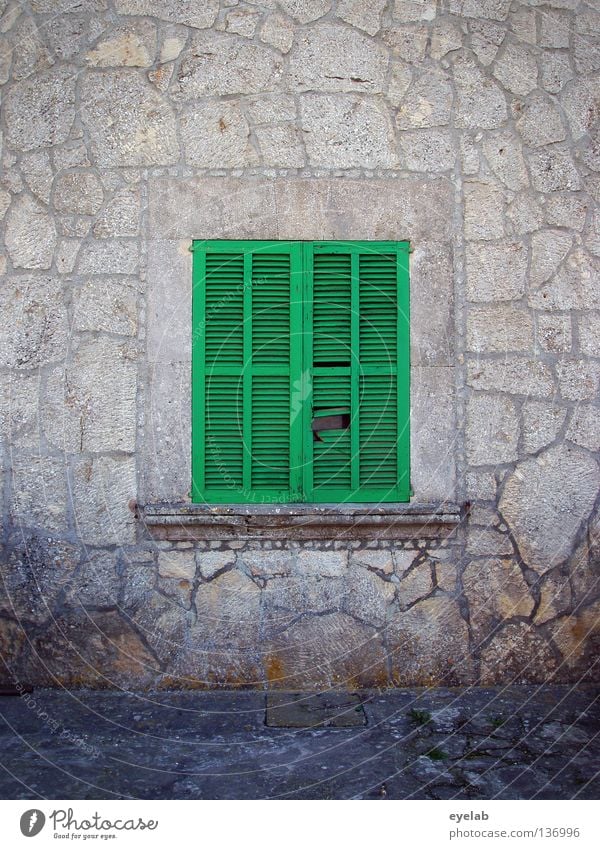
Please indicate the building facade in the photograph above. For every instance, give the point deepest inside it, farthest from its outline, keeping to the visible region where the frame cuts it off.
(467, 128)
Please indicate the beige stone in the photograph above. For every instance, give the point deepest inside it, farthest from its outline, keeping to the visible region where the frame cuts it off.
(278, 31)
(133, 46)
(495, 590)
(176, 564)
(519, 654)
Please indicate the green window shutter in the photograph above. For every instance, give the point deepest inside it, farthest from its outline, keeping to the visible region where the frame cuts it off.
(358, 357)
(300, 372)
(246, 354)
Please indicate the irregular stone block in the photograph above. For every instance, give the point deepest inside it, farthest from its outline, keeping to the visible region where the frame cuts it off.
(37, 170)
(121, 215)
(513, 375)
(428, 644)
(280, 147)
(496, 590)
(305, 11)
(554, 333)
(516, 69)
(329, 651)
(576, 636)
(415, 584)
(481, 103)
(428, 150)
(540, 123)
(177, 564)
(331, 57)
(433, 433)
(188, 12)
(553, 170)
(495, 328)
(492, 430)
(40, 111)
(482, 541)
(366, 596)
(518, 653)
(556, 72)
(133, 45)
(109, 256)
(347, 132)
(30, 235)
(241, 22)
(226, 64)
(96, 583)
(130, 124)
(555, 28)
(364, 14)
(102, 490)
(267, 564)
(39, 492)
(324, 563)
(549, 248)
(216, 135)
(106, 304)
(211, 562)
(228, 611)
(555, 597)
(278, 31)
(78, 192)
(34, 330)
(378, 559)
(545, 502)
(270, 108)
(542, 422)
(578, 379)
(496, 272)
(484, 210)
(408, 42)
(589, 333)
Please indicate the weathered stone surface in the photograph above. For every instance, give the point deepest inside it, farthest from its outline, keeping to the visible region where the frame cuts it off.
(176, 564)
(555, 27)
(378, 559)
(332, 650)
(515, 375)
(325, 563)
(280, 147)
(580, 104)
(542, 421)
(188, 12)
(242, 22)
(39, 111)
(408, 42)
(226, 64)
(216, 135)
(109, 256)
(486, 39)
(19, 410)
(121, 215)
(495, 590)
(305, 11)
(270, 108)
(413, 10)
(30, 236)
(366, 596)
(573, 286)
(427, 644)
(428, 150)
(495, 10)
(555, 597)
(492, 430)
(65, 255)
(32, 476)
(37, 171)
(227, 613)
(487, 540)
(446, 37)
(484, 210)
(480, 485)
(415, 584)
(400, 78)
(102, 490)
(428, 102)
(576, 636)
(566, 211)
(266, 564)
(518, 654)
(347, 132)
(133, 45)
(578, 379)
(548, 249)
(432, 318)
(130, 124)
(78, 192)
(91, 405)
(481, 103)
(496, 272)
(525, 214)
(585, 41)
(278, 31)
(366, 16)
(495, 328)
(34, 329)
(211, 563)
(554, 333)
(432, 432)
(330, 57)
(516, 69)
(556, 72)
(106, 304)
(96, 582)
(553, 170)
(545, 501)
(589, 333)
(540, 123)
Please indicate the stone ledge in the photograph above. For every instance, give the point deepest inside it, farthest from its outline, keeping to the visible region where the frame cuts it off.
(180, 522)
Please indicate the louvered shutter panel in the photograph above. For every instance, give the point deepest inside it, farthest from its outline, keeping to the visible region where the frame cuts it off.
(358, 359)
(247, 343)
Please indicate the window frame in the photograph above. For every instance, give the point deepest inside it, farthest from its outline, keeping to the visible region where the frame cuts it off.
(301, 490)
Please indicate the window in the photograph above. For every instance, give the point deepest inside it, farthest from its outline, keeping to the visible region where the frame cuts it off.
(300, 372)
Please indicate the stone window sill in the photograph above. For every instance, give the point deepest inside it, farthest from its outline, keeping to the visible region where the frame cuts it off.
(182, 522)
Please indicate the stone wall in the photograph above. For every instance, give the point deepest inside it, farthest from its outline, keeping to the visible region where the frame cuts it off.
(469, 127)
